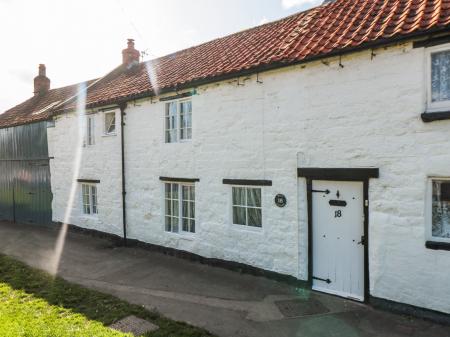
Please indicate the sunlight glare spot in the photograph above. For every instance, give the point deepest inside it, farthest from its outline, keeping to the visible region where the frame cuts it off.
(60, 241)
(153, 78)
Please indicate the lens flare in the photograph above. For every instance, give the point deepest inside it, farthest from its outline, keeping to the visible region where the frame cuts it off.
(152, 76)
(61, 239)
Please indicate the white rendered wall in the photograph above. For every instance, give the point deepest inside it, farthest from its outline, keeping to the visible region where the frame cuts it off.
(73, 160)
(366, 114)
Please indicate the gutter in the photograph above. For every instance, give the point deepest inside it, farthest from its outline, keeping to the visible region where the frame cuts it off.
(122, 107)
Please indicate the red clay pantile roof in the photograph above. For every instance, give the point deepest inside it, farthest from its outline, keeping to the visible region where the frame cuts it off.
(38, 108)
(338, 27)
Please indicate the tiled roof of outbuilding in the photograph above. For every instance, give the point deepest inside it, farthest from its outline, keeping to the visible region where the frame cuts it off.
(38, 107)
(326, 30)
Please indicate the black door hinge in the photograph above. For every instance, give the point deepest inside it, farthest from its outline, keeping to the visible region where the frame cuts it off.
(328, 281)
(317, 191)
(363, 240)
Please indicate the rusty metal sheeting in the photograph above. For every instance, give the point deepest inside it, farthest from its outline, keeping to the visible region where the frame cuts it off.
(25, 191)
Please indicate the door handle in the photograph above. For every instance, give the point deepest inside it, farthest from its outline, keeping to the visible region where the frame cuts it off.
(363, 241)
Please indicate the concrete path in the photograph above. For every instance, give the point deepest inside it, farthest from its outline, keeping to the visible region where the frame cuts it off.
(226, 303)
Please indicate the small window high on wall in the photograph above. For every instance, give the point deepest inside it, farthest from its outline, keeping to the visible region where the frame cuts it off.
(90, 130)
(178, 121)
(439, 78)
(440, 210)
(110, 122)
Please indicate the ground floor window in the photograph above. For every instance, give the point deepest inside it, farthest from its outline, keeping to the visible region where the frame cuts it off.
(441, 209)
(247, 209)
(179, 207)
(89, 196)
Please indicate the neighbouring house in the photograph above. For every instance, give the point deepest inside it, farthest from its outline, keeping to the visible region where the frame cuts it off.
(315, 146)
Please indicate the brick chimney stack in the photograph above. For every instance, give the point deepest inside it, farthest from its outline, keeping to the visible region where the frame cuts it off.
(130, 56)
(41, 82)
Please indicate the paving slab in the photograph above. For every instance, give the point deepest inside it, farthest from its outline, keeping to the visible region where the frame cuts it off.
(227, 303)
(134, 325)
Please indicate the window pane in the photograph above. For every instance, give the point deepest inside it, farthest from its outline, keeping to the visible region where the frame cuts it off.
(94, 199)
(440, 76)
(185, 192)
(186, 120)
(168, 223)
(188, 207)
(254, 197)
(441, 209)
(110, 122)
(239, 215)
(175, 207)
(192, 210)
(90, 130)
(174, 194)
(185, 225)
(168, 208)
(167, 190)
(185, 209)
(239, 196)
(171, 122)
(254, 217)
(175, 224)
(173, 136)
(86, 199)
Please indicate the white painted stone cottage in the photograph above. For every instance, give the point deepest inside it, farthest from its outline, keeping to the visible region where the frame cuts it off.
(316, 147)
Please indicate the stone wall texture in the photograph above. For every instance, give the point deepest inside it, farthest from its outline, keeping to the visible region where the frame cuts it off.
(366, 114)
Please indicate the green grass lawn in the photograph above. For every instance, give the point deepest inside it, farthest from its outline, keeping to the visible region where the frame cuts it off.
(35, 304)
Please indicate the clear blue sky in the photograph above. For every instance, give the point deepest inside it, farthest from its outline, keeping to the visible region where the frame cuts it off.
(81, 40)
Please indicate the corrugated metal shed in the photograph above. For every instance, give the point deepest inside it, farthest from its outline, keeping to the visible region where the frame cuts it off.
(25, 191)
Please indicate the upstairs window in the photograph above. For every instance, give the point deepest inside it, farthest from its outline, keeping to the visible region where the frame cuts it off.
(90, 130)
(178, 121)
(439, 79)
(440, 209)
(110, 123)
(247, 209)
(89, 197)
(179, 203)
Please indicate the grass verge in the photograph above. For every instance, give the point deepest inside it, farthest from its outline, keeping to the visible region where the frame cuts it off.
(33, 303)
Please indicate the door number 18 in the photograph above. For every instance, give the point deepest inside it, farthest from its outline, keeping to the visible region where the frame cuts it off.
(338, 214)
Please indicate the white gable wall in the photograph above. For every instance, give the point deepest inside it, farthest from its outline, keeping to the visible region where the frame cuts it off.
(366, 114)
(101, 161)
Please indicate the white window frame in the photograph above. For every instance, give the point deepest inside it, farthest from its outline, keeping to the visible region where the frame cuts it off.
(178, 121)
(93, 199)
(246, 226)
(90, 130)
(429, 210)
(105, 127)
(180, 208)
(434, 106)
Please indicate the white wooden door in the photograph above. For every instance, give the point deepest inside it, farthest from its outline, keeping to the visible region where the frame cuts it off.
(338, 242)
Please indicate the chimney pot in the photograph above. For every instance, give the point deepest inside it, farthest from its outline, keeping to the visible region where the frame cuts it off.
(41, 82)
(42, 70)
(130, 56)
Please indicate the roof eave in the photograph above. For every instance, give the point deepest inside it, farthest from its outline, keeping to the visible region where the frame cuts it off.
(269, 66)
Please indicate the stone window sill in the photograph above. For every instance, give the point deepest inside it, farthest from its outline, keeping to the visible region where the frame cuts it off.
(428, 117)
(109, 134)
(436, 245)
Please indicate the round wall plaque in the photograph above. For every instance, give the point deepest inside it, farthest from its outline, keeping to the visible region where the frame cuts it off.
(280, 200)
